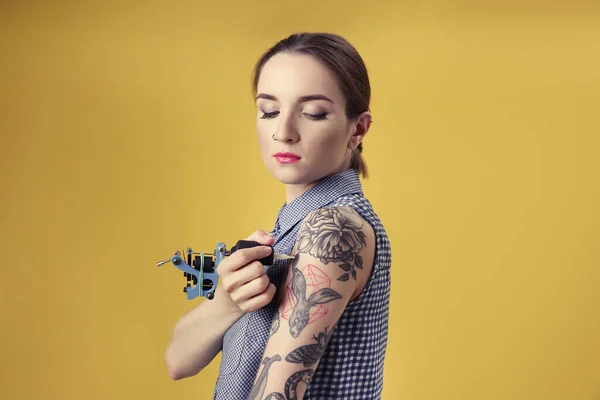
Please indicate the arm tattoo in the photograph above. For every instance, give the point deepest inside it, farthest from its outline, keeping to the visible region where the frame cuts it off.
(261, 383)
(275, 396)
(310, 354)
(301, 312)
(274, 324)
(334, 235)
(291, 386)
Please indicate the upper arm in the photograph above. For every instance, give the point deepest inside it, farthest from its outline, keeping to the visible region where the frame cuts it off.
(334, 252)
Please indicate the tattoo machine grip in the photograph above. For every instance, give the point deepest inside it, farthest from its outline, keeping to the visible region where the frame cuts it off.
(246, 244)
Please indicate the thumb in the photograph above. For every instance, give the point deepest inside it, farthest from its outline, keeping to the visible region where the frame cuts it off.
(261, 237)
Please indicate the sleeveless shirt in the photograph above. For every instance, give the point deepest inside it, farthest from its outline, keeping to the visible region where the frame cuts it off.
(352, 365)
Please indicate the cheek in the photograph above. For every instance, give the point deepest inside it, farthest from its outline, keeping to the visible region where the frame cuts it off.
(264, 139)
(261, 132)
(331, 141)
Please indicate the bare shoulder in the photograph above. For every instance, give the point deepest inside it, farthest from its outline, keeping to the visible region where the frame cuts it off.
(340, 235)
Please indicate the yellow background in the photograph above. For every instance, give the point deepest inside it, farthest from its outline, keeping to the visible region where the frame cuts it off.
(127, 132)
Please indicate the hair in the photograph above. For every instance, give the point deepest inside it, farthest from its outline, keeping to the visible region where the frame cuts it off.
(343, 60)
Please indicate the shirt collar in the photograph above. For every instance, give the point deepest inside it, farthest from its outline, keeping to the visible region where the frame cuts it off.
(324, 192)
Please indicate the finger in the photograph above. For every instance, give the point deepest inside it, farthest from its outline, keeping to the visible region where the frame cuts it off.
(261, 237)
(243, 257)
(244, 275)
(259, 300)
(233, 262)
(251, 289)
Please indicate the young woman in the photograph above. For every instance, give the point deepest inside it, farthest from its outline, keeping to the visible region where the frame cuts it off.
(314, 327)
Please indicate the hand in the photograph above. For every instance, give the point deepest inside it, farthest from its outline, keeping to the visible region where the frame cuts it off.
(243, 277)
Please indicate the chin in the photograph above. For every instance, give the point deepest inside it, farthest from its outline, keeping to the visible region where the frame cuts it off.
(293, 175)
(289, 177)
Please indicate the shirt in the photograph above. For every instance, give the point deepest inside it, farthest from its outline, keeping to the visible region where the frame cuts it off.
(351, 366)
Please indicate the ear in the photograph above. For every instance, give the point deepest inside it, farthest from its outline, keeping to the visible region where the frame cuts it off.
(360, 128)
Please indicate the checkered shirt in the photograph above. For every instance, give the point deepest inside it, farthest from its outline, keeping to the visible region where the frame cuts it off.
(352, 365)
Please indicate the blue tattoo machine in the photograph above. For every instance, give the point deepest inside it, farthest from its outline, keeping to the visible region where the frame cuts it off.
(200, 269)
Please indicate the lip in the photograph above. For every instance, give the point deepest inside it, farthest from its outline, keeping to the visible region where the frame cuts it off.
(286, 158)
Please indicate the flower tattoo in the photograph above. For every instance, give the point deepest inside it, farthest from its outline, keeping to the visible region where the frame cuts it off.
(334, 235)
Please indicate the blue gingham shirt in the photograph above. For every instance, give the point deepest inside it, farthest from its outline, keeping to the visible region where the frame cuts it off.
(352, 365)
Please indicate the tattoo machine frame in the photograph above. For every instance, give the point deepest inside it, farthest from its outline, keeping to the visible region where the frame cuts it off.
(200, 269)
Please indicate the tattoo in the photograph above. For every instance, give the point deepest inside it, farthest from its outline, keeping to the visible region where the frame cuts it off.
(310, 354)
(316, 279)
(291, 386)
(276, 396)
(261, 383)
(274, 324)
(300, 314)
(334, 235)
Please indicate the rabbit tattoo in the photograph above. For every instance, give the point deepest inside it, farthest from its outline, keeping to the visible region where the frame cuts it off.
(301, 312)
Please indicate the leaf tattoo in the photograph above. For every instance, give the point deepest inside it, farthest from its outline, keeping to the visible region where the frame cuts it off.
(274, 324)
(310, 354)
(300, 314)
(334, 235)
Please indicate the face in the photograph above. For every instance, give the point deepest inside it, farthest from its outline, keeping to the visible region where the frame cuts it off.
(300, 104)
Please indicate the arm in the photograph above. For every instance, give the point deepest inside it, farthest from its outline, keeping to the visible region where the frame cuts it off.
(198, 336)
(323, 277)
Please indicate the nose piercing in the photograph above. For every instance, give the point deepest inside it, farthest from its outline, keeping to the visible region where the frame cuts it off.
(274, 137)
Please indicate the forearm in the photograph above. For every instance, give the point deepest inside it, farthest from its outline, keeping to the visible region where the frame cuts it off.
(198, 335)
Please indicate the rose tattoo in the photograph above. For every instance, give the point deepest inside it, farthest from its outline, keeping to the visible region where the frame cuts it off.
(334, 235)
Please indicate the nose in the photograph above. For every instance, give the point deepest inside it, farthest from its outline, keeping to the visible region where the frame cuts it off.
(287, 130)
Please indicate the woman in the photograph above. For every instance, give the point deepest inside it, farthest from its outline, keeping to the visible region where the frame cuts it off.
(315, 327)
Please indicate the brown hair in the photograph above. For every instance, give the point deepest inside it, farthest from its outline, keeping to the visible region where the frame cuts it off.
(343, 60)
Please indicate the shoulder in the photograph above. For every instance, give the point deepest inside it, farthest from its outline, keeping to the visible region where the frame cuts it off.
(338, 228)
(340, 239)
(333, 259)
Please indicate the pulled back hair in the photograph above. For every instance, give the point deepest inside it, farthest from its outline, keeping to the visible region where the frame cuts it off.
(343, 60)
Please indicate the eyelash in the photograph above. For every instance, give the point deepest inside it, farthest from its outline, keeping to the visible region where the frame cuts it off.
(314, 117)
(267, 115)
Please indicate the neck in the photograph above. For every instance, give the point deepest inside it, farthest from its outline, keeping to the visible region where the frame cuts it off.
(295, 191)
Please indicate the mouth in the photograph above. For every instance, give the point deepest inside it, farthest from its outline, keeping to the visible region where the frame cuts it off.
(287, 158)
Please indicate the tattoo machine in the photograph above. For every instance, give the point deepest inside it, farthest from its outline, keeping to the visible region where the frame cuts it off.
(201, 271)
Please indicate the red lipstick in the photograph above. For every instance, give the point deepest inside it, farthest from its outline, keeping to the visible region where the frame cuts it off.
(286, 158)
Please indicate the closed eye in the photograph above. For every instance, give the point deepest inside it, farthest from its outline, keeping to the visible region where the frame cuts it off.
(317, 117)
(267, 115)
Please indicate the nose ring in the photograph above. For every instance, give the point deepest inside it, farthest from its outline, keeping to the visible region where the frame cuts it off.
(274, 137)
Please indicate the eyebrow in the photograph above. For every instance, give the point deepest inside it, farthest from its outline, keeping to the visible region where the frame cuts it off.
(302, 99)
